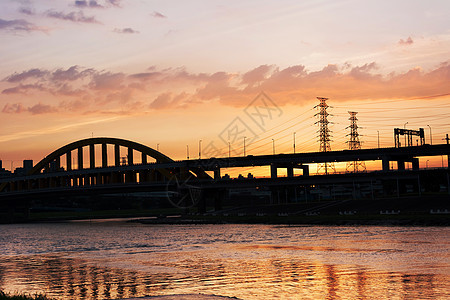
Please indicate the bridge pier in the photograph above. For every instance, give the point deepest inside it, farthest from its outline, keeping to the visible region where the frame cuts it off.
(415, 163)
(217, 174)
(401, 165)
(273, 171)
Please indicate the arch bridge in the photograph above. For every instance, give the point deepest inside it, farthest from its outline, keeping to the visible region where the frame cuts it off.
(101, 170)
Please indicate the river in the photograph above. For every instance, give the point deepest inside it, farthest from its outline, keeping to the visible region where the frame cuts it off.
(113, 260)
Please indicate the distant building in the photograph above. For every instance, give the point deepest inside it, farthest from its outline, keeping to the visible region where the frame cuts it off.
(3, 172)
(26, 166)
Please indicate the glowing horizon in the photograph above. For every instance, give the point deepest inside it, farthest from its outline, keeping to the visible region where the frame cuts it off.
(156, 73)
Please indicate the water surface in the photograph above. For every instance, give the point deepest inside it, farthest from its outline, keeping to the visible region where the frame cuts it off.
(110, 260)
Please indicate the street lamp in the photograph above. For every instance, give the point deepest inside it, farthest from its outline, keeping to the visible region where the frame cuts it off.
(229, 150)
(244, 144)
(187, 151)
(431, 137)
(273, 146)
(199, 149)
(378, 138)
(294, 142)
(157, 147)
(427, 162)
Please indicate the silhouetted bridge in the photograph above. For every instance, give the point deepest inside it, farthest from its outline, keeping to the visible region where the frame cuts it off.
(156, 172)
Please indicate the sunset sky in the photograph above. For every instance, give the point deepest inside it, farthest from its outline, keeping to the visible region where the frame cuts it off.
(171, 73)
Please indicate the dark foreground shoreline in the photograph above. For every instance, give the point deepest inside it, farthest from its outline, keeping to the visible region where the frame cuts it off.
(432, 210)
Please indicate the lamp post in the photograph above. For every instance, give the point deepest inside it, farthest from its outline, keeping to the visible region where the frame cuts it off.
(187, 151)
(244, 144)
(199, 149)
(229, 150)
(273, 146)
(427, 162)
(404, 127)
(378, 138)
(431, 137)
(294, 142)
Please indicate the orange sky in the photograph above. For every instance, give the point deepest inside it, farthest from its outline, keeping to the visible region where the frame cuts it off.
(159, 73)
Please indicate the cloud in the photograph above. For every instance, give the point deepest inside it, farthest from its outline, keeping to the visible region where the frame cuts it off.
(126, 30)
(84, 4)
(23, 89)
(77, 17)
(70, 74)
(159, 15)
(32, 73)
(407, 42)
(114, 2)
(36, 109)
(27, 11)
(19, 25)
(87, 90)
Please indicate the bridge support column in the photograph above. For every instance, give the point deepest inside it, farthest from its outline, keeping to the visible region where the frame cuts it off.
(273, 171)
(217, 174)
(400, 165)
(448, 161)
(290, 171)
(92, 156)
(385, 164)
(69, 161)
(415, 163)
(305, 169)
(116, 155)
(104, 155)
(143, 158)
(80, 158)
(130, 156)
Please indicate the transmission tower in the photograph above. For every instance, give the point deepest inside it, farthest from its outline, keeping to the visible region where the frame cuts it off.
(324, 133)
(354, 144)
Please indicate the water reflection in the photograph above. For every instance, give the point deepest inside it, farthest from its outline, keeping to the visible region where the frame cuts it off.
(78, 261)
(66, 278)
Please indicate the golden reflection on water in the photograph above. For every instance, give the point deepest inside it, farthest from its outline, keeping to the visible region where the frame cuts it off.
(66, 278)
(248, 262)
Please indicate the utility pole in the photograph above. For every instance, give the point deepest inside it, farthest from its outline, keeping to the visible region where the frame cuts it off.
(324, 133)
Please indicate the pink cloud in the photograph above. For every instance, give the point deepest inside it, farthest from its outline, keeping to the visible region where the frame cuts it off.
(408, 41)
(85, 89)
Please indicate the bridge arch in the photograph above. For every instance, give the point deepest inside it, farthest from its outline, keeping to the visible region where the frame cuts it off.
(50, 174)
(91, 142)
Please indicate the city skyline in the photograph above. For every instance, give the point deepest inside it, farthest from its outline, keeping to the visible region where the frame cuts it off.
(169, 75)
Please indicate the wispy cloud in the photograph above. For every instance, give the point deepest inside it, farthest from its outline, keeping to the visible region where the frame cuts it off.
(19, 25)
(156, 14)
(77, 17)
(36, 109)
(27, 11)
(84, 4)
(408, 41)
(125, 30)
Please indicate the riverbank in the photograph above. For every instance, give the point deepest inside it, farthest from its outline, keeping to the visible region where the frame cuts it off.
(430, 210)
